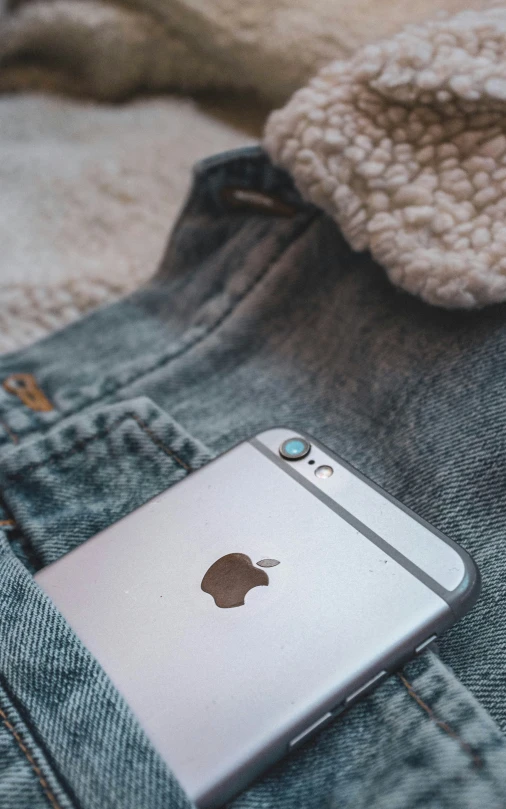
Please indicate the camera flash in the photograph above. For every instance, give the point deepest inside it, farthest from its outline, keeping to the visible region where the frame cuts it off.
(324, 471)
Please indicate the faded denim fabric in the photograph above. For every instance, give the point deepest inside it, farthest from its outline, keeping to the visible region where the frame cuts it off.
(259, 315)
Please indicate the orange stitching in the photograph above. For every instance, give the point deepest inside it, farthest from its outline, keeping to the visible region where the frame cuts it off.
(42, 781)
(440, 723)
(14, 438)
(7, 522)
(246, 199)
(25, 387)
(80, 445)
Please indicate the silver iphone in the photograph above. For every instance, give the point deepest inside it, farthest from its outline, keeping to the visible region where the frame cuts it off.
(243, 609)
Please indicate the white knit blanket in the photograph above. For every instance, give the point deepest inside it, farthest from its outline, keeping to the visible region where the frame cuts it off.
(405, 145)
(88, 195)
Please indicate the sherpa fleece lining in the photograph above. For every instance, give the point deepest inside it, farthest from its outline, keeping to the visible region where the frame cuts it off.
(405, 146)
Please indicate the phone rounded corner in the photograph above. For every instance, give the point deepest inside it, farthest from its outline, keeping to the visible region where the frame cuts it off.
(278, 426)
(467, 593)
(273, 429)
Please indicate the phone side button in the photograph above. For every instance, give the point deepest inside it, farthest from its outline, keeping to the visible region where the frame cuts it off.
(369, 684)
(422, 646)
(308, 732)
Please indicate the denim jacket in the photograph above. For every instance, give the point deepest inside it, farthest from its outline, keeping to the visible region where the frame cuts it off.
(260, 314)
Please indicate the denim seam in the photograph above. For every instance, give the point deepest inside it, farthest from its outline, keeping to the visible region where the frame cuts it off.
(10, 433)
(36, 769)
(164, 360)
(466, 747)
(79, 446)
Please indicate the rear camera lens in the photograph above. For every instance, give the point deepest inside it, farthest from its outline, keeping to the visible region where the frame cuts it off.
(293, 449)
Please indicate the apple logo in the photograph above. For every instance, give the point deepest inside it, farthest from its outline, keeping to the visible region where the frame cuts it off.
(231, 577)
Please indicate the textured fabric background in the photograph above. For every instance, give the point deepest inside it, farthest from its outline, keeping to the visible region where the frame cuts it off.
(89, 191)
(113, 50)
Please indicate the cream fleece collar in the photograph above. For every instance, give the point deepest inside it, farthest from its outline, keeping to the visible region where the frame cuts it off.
(405, 146)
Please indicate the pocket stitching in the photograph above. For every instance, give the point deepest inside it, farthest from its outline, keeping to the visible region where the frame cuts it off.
(10, 433)
(466, 747)
(79, 446)
(36, 769)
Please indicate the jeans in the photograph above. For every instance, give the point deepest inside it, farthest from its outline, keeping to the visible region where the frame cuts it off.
(260, 314)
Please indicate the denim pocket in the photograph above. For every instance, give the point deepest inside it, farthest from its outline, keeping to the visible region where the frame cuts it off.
(67, 739)
(81, 477)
